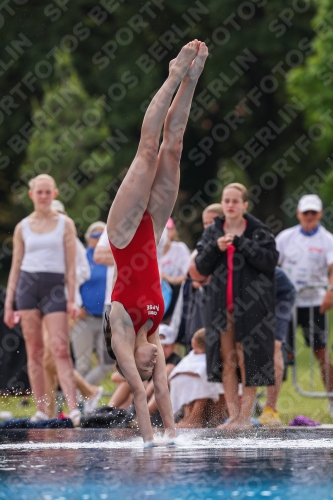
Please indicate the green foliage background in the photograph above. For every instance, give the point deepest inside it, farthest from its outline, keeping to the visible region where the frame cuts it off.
(312, 83)
(101, 57)
(67, 144)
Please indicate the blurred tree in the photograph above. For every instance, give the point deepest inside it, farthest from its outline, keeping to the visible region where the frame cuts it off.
(312, 84)
(240, 124)
(71, 142)
(23, 48)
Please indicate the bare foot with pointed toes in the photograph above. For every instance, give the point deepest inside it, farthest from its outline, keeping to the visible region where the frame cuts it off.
(198, 64)
(180, 66)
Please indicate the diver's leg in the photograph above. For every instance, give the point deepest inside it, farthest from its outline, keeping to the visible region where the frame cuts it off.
(164, 189)
(133, 195)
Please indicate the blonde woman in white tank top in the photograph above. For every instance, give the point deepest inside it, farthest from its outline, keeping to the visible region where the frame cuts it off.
(44, 248)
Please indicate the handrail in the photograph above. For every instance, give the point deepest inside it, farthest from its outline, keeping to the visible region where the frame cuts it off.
(301, 391)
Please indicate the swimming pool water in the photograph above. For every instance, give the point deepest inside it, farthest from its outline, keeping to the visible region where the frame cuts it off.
(205, 464)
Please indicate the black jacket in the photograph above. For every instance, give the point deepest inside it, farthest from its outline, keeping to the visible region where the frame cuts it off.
(255, 259)
(193, 313)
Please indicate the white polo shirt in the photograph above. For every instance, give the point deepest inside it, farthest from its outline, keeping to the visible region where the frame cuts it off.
(176, 261)
(104, 242)
(305, 259)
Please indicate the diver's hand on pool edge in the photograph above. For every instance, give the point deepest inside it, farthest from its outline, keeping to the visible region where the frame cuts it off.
(170, 442)
(170, 432)
(169, 436)
(149, 444)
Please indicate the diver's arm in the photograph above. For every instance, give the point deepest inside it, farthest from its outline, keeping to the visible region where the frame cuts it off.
(162, 393)
(125, 358)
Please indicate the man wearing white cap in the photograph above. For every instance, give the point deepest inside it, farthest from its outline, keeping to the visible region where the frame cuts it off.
(306, 255)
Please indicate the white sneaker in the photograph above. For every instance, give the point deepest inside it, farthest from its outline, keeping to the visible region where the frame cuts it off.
(39, 415)
(330, 407)
(75, 417)
(92, 403)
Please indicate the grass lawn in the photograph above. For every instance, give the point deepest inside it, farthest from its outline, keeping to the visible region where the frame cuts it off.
(14, 403)
(290, 403)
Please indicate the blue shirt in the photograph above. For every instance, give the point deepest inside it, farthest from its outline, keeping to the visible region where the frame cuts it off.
(93, 290)
(285, 294)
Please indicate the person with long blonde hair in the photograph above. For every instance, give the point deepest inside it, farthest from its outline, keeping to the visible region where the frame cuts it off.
(44, 248)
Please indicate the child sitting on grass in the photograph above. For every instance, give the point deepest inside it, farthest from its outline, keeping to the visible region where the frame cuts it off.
(189, 387)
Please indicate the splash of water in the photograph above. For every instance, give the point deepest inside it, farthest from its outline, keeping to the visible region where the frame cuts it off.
(183, 442)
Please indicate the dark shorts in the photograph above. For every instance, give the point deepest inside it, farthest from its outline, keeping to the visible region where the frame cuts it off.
(43, 291)
(318, 329)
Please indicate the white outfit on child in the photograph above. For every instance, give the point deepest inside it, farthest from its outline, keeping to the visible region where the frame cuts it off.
(185, 389)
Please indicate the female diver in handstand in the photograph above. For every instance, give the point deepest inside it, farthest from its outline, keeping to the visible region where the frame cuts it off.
(136, 220)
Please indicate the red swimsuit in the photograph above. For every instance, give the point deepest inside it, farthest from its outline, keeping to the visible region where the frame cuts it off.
(138, 285)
